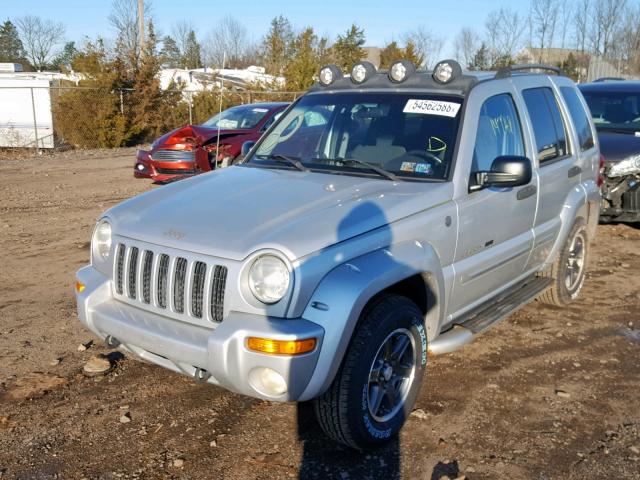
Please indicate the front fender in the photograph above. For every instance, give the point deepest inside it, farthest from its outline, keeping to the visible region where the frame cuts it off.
(339, 299)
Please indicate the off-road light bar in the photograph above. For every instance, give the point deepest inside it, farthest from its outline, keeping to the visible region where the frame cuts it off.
(329, 74)
(446, 71)
(401, 70)
(362, 71)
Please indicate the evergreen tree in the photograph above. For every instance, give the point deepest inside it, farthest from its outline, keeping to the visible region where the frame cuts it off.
(64, 59)
(389, 54)
(170, 53)
(480, 59)
(303, 66)
(348, 48)
(412, 54)
(276, 46)
(191, 57)
(11, 49)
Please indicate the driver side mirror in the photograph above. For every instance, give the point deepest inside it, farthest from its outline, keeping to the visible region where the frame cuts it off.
(506, 171)
(246, 146)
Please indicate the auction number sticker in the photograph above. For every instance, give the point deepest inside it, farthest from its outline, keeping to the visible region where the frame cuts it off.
(432, 107)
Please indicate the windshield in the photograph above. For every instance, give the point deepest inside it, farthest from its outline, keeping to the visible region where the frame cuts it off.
(407, 135)
(618, 111)
(237, 118)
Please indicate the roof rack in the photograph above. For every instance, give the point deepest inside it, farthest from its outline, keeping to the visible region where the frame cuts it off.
(505, 72)
(609, 79)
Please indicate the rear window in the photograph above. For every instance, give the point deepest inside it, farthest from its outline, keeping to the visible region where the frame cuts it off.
(548, 128)
(579, 117)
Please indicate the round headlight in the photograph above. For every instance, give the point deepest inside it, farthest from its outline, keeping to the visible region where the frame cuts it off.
(399, 71)
(269, 279)
(446, 71)
(101, 242)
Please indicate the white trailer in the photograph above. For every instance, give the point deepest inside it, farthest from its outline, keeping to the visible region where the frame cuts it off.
(25, 113)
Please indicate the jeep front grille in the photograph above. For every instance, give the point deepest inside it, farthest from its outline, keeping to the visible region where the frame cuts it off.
(181, 286)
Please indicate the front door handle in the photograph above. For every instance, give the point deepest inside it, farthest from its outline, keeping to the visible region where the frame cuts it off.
(526, 192)
(574, 171)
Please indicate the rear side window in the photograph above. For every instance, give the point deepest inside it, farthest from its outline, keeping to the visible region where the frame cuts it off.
(579, 117)
(548, 127)
(499, 132)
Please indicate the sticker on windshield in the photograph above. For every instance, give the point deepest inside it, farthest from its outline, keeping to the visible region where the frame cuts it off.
(432, 107)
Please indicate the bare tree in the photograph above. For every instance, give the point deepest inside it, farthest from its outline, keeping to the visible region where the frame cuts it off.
(228, 37)
(124, 20)
(465, 44)
(39, 38)
(503, 34)
(428, 46)
(581, 24)
(180, 32)
(627, 39)
(543, 19)
(607, 17)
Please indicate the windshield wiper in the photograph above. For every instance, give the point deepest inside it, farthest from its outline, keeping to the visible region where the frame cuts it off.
(284, 158)
(380, 171)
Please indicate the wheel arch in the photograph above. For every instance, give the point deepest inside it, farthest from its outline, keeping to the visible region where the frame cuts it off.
(409, 269)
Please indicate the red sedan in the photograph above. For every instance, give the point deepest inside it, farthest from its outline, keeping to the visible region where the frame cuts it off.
(195, 149)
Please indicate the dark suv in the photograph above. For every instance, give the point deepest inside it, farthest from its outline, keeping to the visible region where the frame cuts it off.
(615, 107)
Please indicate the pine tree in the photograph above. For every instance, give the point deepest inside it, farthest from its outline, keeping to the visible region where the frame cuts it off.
(480, 59)
(11, 49)
(64, 59)
(277, 45)
(170, 53)
(348, 48)
(412, 54)
(304, 64)
(389, 54)
(191, 57)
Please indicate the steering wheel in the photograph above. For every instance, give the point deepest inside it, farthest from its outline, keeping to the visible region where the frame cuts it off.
(424, 155)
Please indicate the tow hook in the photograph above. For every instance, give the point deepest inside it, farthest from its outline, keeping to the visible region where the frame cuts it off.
(201, 375)
(112, 341)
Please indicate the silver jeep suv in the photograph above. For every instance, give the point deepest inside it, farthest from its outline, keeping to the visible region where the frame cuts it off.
(386, 216)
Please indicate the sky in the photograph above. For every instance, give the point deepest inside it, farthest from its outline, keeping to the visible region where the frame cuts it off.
(382, 21)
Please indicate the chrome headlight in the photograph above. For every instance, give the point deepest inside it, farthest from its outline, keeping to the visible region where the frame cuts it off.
(101, 241)
(269, 279)
(628, 166)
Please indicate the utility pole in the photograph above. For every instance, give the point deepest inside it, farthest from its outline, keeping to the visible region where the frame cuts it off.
(141, 26)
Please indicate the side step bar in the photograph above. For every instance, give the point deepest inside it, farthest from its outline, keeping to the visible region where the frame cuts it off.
(488, 314)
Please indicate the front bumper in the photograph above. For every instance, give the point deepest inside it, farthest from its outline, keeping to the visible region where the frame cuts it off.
(621, 199)
(145, 167)
(185, 347)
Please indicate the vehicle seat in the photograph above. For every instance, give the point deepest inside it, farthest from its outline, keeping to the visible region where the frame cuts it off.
(618, 113)
(379, 147)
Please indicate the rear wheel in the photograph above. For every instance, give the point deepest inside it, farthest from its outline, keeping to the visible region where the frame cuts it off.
(569, 269)
(379, 380)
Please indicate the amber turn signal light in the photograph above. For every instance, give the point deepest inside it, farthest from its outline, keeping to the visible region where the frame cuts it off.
(80, 287)
(281, 347)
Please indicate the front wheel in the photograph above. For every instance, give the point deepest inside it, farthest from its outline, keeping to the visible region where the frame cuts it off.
(376, 387)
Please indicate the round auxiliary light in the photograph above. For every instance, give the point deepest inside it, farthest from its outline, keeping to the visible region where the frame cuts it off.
(362, 71)
(329, 74)
(446, 71)
(401, 70)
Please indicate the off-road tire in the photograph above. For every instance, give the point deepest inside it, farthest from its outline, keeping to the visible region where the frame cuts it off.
(558, 294)
(343, 410)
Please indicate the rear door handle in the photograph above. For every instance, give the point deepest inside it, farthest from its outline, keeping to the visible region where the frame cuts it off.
(526, 192)
(574, 171)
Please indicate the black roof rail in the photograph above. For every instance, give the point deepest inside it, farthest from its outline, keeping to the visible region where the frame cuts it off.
(609, 79)
(505, 72)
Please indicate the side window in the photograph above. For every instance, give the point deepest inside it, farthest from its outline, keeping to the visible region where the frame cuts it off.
(499, 132)
(548, 127)
(579, 117)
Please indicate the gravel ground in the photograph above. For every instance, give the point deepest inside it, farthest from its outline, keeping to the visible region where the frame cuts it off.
(548, 394)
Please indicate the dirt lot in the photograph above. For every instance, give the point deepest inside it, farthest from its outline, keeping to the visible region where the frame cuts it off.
(548, 394)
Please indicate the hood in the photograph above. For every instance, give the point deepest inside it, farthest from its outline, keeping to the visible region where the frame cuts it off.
(232, 212)
(618, 146)
(200, 134)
